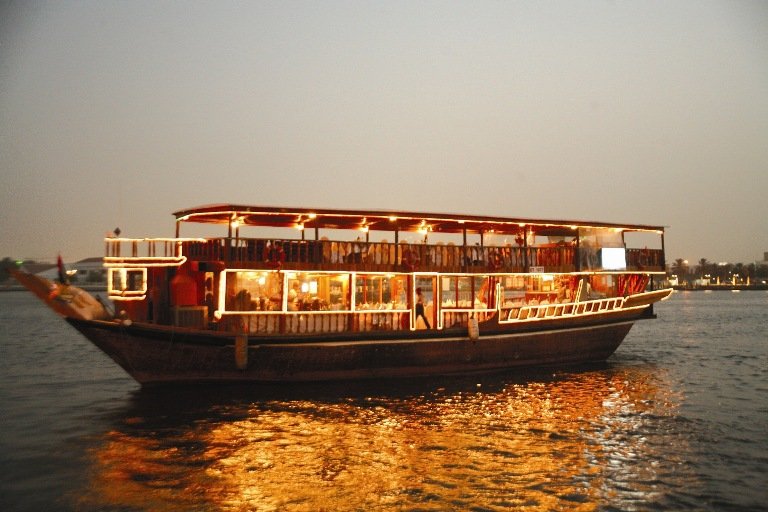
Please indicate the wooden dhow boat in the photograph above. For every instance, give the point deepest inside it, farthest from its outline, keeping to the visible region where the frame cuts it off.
(304, 294)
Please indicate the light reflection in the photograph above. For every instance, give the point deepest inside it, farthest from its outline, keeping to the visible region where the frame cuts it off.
(566, 441)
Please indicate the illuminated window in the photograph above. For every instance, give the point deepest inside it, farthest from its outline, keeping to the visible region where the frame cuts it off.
(254, 291)
(482, 288)
(456, 292)
(127, 281)
(380, 292)
(512, 290)
(308, 291)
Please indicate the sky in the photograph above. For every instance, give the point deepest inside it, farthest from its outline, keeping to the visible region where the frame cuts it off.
(116, 114)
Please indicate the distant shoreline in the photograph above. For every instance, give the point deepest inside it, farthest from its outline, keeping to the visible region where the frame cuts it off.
(724, 288)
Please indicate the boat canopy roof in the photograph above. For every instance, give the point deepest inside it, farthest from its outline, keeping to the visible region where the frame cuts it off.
(388, 220)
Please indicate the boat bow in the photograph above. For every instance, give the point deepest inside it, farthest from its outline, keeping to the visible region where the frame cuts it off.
(66, 300)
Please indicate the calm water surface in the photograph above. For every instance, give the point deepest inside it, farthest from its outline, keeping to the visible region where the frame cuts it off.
(676, 420)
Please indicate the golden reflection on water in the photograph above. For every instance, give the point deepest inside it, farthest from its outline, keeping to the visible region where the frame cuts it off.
(569, 441)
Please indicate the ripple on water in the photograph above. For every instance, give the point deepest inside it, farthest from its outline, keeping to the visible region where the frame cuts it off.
(676, 421)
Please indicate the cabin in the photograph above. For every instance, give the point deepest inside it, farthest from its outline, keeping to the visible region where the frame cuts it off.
(291, 271)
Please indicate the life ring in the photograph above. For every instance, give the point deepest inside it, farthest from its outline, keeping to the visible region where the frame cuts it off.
(274, 256)
(410, 259)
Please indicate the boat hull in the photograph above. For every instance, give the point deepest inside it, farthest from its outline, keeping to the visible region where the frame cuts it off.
(156, 356)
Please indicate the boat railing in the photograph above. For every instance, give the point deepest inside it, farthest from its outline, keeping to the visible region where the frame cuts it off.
(645, 259)
(460, 318)
(379, 256)
(322, 322)
(146, 251)
(519, 312)
(360, 255)
(319, 322)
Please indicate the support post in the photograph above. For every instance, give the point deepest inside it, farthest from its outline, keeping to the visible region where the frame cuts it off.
(525, 249)
(241, 351)
(578, 251)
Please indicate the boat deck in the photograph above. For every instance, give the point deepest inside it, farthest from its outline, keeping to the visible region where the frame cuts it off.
(363, 256)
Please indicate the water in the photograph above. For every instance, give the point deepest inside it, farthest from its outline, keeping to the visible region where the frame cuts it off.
(676, 420)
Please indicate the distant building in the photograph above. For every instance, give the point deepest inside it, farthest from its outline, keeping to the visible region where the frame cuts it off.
(89, 270)
(39, 268)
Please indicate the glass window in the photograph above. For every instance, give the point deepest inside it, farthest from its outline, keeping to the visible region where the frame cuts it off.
(135, 280)
(602, 286)
(309, 291)
(448, 292)
(591, 243)
(116, 283)
(456, 292)
(128, 281)
(512, 290)
(254, 291)
(380, 292)
(482, 287)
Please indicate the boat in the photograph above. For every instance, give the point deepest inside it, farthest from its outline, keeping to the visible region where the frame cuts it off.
(279, 294)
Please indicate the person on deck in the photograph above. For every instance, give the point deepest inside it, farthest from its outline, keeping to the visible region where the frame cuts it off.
(294, 296)
(420, 307)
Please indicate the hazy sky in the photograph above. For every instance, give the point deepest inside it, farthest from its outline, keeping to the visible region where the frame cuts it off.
(118, 113)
